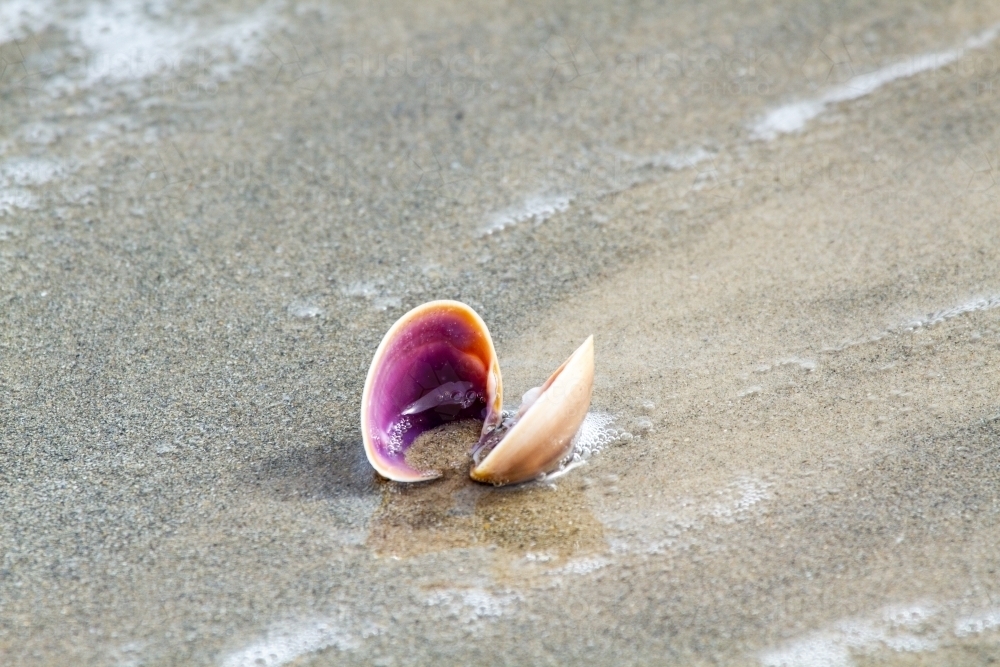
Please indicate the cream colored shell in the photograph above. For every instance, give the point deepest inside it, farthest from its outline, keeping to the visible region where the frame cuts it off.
(543, 435)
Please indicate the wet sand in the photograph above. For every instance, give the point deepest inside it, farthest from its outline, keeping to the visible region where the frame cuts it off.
(779, 222)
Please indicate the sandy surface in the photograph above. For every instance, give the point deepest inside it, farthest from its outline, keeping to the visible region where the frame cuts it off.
(780, 222)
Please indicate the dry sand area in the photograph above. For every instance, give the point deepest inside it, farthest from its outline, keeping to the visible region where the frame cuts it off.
(781, 222)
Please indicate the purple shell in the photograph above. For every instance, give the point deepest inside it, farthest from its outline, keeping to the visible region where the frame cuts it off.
(435, 364)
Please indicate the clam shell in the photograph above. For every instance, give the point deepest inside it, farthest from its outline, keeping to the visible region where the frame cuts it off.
(430, 363)
(437, 364)
(542, 435)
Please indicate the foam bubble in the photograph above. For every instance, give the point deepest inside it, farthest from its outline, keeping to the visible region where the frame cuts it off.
(472, 605)
(977, 623)
(304, 311)
(582, 566)
(537, 558)
(129, 42)
(743, 494)
(20, 18)
(911, 628)
(284, 643)
(539, 208)
(30, 171)
(815, 650)
(15, 198)
(386, 302)
(394, 445)
(985, 303)
(363, 289)
(595, 434)
(807, 365)
(674, 160)
(379, 297)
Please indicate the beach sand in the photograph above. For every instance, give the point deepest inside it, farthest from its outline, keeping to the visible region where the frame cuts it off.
(780, 222)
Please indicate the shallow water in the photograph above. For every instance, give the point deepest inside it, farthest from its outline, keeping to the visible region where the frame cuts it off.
(778, 221)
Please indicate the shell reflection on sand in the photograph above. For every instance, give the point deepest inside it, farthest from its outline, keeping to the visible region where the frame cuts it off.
(455, 512)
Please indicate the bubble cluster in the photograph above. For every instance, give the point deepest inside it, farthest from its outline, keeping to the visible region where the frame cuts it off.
(396, 432)
(284, 643)
(595, 434)
(986, 303)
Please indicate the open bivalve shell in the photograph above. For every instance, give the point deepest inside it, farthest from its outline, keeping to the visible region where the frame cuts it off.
(437, 364)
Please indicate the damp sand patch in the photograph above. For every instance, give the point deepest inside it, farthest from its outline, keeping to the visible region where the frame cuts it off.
(454, 511)
(445, 448)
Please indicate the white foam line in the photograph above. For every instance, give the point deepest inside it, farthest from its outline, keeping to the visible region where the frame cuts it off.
(472, 606)
(673, 161)
(794, 116)
(128, 40)
(581, 566)
(976, 305)
(18, 18)
(283, 644)
(978, 623)
(31, 171)
(15, 198)
(540, 208)
(896, 628)
(565, 468)
(910, 628)
(127, 44)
